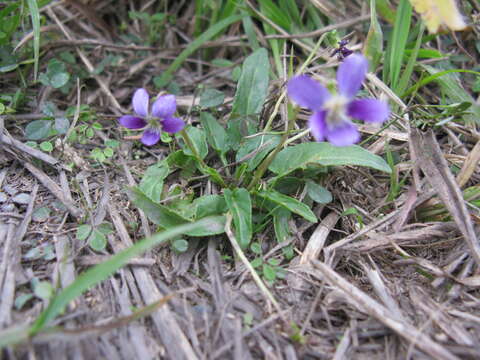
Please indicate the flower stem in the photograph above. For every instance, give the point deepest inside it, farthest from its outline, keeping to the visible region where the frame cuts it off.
(268, 160)
(299, 71)
(204, 168)
(291, 121)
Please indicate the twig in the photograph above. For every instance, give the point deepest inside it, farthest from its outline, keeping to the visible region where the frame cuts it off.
(317, 240)
(243, 258)
(54, 189)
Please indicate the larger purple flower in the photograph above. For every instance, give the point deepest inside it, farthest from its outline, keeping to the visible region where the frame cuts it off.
(332, 113)
(159, 118)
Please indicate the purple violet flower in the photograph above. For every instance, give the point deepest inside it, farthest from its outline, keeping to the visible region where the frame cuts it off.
(159, 118)
(332, 113)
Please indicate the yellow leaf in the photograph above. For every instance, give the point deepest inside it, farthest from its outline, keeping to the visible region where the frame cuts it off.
(439, 13)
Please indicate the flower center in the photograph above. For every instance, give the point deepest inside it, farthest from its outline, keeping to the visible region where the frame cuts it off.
(336, 108)
(153, 123)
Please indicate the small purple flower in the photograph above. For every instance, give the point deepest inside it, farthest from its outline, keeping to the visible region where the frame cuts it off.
(332, 113)
(159, 118)
(342, 51)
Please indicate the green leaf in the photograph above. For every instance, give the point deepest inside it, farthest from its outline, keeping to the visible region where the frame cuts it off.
(222, 62)
(289, 203)
(166, 218)
(162, 80)
(453, 88)
(374, 41)
(83, 231)
(46, 146)
(240, 205)
(152, 181)
(426, 53)
(43, 290)
(35, 15)
(159, 214)
(108, 152)
(281, 217)
(97, 240)
(208, 205)
(235, 75)
(112, 143)
(38, 129)
(291, 10)
(385, 11)
(412, 61)
(256, 248)
(253, 84)
(240, 126)
(56, 75)
(57, 80)
(41, 214)
(62, 125)
(180, 245)
(22, 300)
(249, 28)
(214, 175)
(397, 43)
(277, 15)
(49, 108)
(199, 141)
(318, 193)
(261, 144)
(105, 228)
(274, 261)
(102, 271)
(211, 98)
(216, 134)
(323, 153)
(257, 262)
(269, 272)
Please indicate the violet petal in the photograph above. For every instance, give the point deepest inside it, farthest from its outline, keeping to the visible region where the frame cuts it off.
(164, 106)
(369, 110)
(150, 137)
(307, 92)
(343, 135)
(172, 124)
(140, 102)
(132, 122)
(317, 125)
(350, 74)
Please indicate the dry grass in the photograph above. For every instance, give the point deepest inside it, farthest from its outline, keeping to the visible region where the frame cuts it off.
(403, 286)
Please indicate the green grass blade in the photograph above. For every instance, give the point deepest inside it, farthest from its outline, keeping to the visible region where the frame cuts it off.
(250, 31)
(291, 10)
(274, 13)
(385, 11)
(35, 15)
(165, 78)
(397, 43)
(407, 73)
(102, 271)
(434, 77)
(228, 9)
(451, 86)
